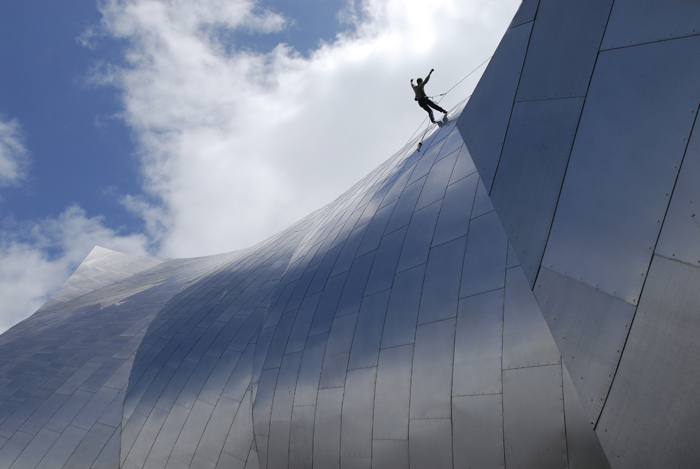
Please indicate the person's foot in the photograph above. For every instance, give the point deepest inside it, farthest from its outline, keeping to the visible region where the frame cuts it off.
(432, 120)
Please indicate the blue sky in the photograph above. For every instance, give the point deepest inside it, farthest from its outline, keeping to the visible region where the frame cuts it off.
(178, 129)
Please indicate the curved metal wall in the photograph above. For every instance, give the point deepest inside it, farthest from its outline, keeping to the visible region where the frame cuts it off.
(527, 299)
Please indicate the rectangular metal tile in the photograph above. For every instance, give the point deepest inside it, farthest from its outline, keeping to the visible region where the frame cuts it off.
(527, 340)
(356, 426)
(436, 184)
(485, 118)
(355, 285)
(431, 384)
(478, 431)
(368, 332)
(240, 437)
(390, 454)
(284, 390)
(335, 361)
(533, 417)
(310, 371)
(302, 437)
(90, 448)
(402, 314)
(325, 311)
(302, 324)
(652, 399)
(639, 109)
(327, 428)
(640, 21)
(590, 329)
(453, 221)
(442, 281)
(562, 68)
(63, 448)
(217, 429)
(393, 392)
(278, 452)
(479, 345)
(381, 276)
(419, 237)
(35, 450)
(530, 174)
(583, 447)
(430, 443)
(485, 258)
(405, 206)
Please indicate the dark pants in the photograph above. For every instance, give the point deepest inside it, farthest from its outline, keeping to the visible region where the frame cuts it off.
(426, 104)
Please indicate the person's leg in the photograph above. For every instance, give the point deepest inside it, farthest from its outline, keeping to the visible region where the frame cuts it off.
(435, 106)
(424, 104)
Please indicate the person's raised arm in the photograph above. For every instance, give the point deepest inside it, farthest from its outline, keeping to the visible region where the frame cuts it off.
(428, 77)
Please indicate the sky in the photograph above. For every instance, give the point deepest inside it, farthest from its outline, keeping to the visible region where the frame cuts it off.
(174, 128)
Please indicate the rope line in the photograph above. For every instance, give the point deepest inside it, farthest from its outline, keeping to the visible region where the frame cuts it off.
(442, 95)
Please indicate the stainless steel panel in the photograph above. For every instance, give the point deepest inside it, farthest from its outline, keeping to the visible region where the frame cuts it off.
(442, 281)
(263, 401)
(426, 160)
(401, 317)
(526, 12)
(335, 361)
(482, 201)
(356, 427)
(485, 258)
(651, 413)
(375, 231)
(218, 427)
(35, 450)
(582, 443)
(109, 456)
(94, 408)
(629, 145)
(68, 411)
(485, 118)
(679, 234)
(393, 393)
(302, 324)
(310, 371)
(431, 384)
(89, 449)
(405, 206)
(419, 236)
(142, 445)
(430, 443)
(533, 418)
(278, 453)
(50, 406)
(435, 185)
(453, 142)
(301, 440)
(563, 49)
(478, 431)
(355, 284)
(478, 345)
(390, 454)
(368, 332)
(453, 221)
(240, 436)
(327, 428)
(325, 311)
(192, 432)
(381, 276)
(530, 174)
(590, 329)
(163, 446)
(640, 21)
(513, 260)
(285, 387)
(347, 255)
(527, 340)
(464, 166)
(62, 449)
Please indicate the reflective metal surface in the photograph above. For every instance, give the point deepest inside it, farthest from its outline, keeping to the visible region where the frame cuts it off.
(640, 21)
(625, 159)
(398, 326)
(563, 49)
(484, 122)
(530, 174)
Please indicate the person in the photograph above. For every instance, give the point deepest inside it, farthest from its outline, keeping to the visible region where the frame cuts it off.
(423, 100)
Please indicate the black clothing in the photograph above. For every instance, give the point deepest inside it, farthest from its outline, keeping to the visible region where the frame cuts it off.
(426, 104)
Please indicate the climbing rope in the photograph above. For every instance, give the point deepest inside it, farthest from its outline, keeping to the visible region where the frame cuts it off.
(441, 96)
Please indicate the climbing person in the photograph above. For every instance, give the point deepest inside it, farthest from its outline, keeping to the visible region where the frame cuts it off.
(423, 100)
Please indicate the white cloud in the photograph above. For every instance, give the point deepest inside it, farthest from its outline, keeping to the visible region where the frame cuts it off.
(236, 145)
(13, 154)
(29, 275)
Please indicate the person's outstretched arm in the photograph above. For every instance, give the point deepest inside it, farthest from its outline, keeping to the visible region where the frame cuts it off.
(428, 77)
